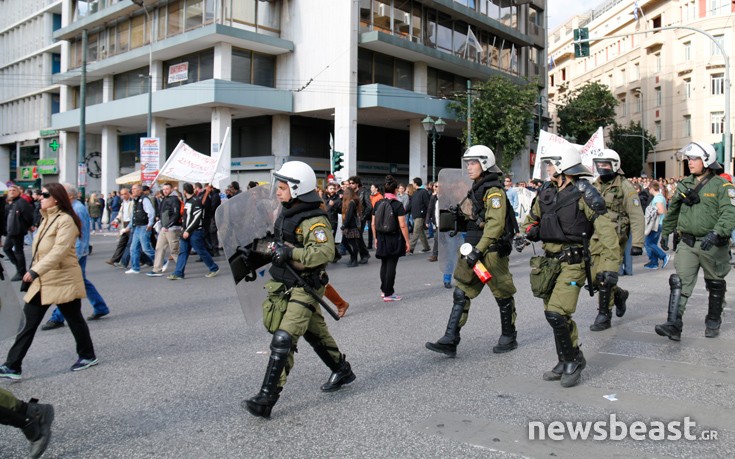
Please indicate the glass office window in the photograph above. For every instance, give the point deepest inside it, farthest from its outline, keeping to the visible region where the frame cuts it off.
(403, 74)
(244, 12)
(269, 15)
(130, 83)
(444, 34)
(242, 62)
(200, 67)
(194, 14)
(430, 31)
(459, 40)
(264, 70)
(138, 32)
(123, 36)
(206, 65)
(381, 16)
(383, 66)
(364, 66)
(92, 46)
(175, 18)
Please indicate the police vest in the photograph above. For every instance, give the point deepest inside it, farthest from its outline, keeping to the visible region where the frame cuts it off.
(140, 217)
(285, 231)
(562, 220)
(476, 196)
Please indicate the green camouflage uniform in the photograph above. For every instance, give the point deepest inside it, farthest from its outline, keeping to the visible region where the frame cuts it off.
(624, 210)
(314, 250)
(501, 284)
(714, 212)
(563, 298)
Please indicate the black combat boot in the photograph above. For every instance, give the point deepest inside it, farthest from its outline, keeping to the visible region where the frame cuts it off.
(38, 426)
(555, 373)
(713, 320)
(262, 404)
(447, 344)
(573, 359)
(507, 341)
(672, 327)
(619, 298)
(604, 314)
(341, 374)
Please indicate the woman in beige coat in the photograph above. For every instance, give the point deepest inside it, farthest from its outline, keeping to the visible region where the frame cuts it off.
(55, 278)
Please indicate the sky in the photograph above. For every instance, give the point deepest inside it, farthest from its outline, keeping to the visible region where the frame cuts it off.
(560, 11)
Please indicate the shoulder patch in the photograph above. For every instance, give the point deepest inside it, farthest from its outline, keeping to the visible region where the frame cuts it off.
(728, 184)
(731, 195)
(495, 202)
(321, 235)
(636, 202)
(494, 194)
(317, 225)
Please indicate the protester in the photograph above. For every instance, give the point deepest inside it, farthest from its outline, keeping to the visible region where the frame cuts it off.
(389, 245)
(658, 212)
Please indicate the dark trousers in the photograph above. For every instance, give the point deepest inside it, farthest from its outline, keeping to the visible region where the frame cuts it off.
(122, 244)
(361, 242)
(352, 247)
(13, 248)
(388, 274)
(34, 312)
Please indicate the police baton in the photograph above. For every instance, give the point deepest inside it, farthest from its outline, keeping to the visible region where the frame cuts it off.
(587, 261)
(300, 282)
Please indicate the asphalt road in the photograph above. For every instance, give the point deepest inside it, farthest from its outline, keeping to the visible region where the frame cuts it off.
(176, 359)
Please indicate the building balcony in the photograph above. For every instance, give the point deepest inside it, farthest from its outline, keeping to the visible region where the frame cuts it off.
(180, 106)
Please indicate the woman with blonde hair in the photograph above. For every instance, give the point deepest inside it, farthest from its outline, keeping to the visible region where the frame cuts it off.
(55, 277)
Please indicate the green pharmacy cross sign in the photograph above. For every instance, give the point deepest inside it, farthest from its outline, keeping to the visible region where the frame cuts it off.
(54, 145)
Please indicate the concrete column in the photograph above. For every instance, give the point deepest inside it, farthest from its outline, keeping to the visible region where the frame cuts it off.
(158, 79)
(4, 161)
(66, 13)
(345, 110)
(221, 121)
(223, 61)
(108, 88)
(421, 78)
(417, 151)
(158, 129)
(68, 152)
(110, 150)
(281, 139)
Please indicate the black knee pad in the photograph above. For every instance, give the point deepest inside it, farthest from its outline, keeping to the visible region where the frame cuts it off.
(281, 342)
(459, 295)
(556, 320)
(716, 285)
(675, 282)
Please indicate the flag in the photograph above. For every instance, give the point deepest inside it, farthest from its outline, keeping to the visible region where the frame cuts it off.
(472, 41)
(551, 62)
(636, 8)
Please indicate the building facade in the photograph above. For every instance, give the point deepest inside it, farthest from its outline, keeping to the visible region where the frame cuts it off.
(672, 81)
(283, 75)
(29, 57)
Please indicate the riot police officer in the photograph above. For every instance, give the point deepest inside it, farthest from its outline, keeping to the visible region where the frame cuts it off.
(566, 212)
(624, 209)
(487, 232)
(702, 211)
(305, 242)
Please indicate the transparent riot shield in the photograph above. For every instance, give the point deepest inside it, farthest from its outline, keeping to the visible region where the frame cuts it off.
(243, 223)
(11, 310)
(451, 193)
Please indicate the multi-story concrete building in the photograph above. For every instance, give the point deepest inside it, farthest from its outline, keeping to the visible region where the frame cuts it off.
(673, 81)
(283, 75)
(28, 96)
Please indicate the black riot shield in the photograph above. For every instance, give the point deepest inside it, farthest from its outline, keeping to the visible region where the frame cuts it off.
(244, 225)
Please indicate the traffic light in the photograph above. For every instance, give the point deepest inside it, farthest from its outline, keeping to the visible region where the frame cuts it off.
(581, 49)
(337, 161)
(720, 150)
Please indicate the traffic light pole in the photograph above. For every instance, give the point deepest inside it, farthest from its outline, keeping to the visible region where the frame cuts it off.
(728, 129)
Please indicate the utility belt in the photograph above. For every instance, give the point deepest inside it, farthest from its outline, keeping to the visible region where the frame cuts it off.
(570, 255)
(690, 240)
(315, 279)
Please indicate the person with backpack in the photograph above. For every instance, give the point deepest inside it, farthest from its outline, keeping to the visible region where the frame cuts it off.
(491, 228)
(390, 233)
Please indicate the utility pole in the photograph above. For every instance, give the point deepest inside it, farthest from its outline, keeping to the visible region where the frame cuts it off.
(82, 115)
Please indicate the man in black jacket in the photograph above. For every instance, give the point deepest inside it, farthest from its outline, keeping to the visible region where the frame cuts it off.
(367, 213)
(18, 218)
(170, 233)
(418, 206)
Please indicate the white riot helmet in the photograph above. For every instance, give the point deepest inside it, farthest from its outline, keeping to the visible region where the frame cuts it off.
(702, 150)
(301, 180)
(607, 156)
(484, 155)
(565, 158)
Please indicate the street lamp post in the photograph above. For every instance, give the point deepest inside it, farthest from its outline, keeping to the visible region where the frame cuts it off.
(643, 135)
(434, 128)
(141, 3)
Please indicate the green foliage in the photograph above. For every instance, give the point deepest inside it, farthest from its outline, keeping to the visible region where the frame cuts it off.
(627, 141)
(585, 109)
(501, 113)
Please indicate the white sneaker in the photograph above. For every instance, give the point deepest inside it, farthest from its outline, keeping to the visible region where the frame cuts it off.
(165, 266)
(132, 271)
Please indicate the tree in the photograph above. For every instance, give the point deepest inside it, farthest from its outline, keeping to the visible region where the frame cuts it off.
(501, 114)
(628, 142)
(585, 109)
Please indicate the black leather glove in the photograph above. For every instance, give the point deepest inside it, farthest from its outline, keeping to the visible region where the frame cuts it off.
(282, 255)
(607, 279)
(532, 233)
(473, 257)
(519, 242)
(709, 240)
(636, 251)
(664, 243)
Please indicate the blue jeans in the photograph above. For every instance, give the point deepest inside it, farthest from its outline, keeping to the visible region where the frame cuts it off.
(655, 253)
(627, 266)
(196, 240)
(94, 297)
(95, 223)
(141, 241)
